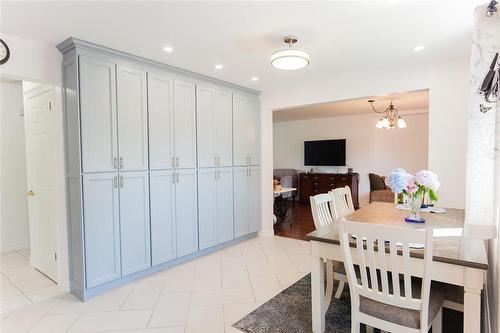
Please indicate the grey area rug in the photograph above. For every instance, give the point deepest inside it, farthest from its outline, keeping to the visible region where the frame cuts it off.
(290, 312)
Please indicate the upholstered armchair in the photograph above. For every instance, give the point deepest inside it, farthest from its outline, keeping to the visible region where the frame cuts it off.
(378, 190)
(288, 178)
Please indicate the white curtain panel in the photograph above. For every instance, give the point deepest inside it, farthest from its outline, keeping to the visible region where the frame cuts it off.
(483, 143)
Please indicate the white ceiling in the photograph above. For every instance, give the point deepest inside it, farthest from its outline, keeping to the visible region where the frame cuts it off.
(340, 36)
(410, 101)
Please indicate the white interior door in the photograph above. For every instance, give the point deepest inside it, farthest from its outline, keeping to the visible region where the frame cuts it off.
(40, 143)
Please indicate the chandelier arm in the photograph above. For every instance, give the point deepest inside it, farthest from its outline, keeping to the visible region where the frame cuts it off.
(380, 112)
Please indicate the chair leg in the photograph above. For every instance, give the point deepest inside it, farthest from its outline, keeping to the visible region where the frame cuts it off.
(329, 283)
(437, 324)
(355, 325)
(340, 289)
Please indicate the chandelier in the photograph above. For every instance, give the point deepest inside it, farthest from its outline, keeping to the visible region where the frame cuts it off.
(391, 117)
(290, 59)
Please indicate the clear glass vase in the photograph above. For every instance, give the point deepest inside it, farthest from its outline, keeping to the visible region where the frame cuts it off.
(414, 202)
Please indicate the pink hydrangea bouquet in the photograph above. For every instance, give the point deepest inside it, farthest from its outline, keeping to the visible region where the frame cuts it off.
(414, 187)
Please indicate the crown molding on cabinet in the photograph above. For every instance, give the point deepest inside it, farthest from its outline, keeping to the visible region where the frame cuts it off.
(72, 43)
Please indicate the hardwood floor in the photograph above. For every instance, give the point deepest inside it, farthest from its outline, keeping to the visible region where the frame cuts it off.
(298, 223)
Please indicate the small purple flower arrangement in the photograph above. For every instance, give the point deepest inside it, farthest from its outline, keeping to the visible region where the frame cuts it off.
(414, 187)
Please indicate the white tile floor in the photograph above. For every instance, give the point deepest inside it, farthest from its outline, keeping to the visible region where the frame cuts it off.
(22, 285)
(204, 295)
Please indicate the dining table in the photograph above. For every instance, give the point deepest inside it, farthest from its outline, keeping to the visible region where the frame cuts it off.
(457, 260)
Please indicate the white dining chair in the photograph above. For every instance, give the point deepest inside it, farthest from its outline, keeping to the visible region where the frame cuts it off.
(386, 297)
(342, 205)
(322, 216)
(342, 202)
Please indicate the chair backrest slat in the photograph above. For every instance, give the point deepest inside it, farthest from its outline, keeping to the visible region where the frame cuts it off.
(377, 259)
(320, 208)
(394, 268)
(383, 265)
(341, 202)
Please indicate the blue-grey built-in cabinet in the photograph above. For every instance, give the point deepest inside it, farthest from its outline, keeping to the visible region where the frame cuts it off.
(162, 165)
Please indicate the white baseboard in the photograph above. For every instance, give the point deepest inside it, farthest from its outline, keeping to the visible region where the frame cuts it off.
(266, 233)
(14, 247)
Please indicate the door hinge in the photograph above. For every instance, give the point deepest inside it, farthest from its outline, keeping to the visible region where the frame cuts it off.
(50, 105)
(55, 256)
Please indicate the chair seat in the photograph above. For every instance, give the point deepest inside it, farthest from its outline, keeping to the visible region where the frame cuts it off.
(402, 316)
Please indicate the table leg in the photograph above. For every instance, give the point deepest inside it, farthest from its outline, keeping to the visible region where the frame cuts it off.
(472, 299)
(318, 295)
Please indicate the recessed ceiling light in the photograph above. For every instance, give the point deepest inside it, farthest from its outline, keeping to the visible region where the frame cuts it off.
(419, 48)
(218, 66)
(254, 78)
(168, 49)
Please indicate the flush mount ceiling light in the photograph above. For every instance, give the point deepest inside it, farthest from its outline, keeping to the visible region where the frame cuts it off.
(218, 66)
(391, 117)
(254, 78)
(290, 59)
(168, 49)
(419, 48)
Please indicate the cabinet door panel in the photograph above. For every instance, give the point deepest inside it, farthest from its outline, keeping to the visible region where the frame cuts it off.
(185, 124)
(205, 105)
(132, 119)
(102, 228)
(254, 130)
(224, 210)
(98, 115)
(224, 128)
(186, 212)
(241, 205)
(161, 121)
(163, 234)
(134, 222)
(241, 131)
(207, 201)
(254, 200)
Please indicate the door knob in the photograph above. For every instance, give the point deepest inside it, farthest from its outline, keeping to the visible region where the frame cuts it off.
(31, 193)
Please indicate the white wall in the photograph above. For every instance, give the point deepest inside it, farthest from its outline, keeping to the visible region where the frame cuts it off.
(369, 149)
(14, 205)
(31, 61)
(448, 84)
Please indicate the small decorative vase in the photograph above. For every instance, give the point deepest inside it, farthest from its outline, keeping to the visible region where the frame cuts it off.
(414, 203)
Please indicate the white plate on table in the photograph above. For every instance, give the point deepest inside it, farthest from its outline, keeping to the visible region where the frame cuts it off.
(432, 209)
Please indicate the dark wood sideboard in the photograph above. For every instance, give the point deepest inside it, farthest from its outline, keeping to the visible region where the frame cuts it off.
(315, 183)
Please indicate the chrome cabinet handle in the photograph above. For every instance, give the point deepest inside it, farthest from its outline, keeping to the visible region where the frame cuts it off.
(121, 181)
(121, 162)
(173, 177)
(177, 162)
(173, 162)
(249, 159)
(115, 181)
(177, 177)
(115, 163)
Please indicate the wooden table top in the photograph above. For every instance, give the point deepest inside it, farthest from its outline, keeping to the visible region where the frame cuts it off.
(449, 245)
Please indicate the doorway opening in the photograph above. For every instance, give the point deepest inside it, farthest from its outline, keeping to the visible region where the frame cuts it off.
(29, 268)
(358, 151)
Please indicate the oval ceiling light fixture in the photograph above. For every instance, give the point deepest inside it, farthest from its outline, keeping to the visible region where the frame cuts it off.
(419, 48)
(290, 59)
(254, 78)
(168, 49)
(218, 66)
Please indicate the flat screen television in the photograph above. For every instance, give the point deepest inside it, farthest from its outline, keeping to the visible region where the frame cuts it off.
(324, 152)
